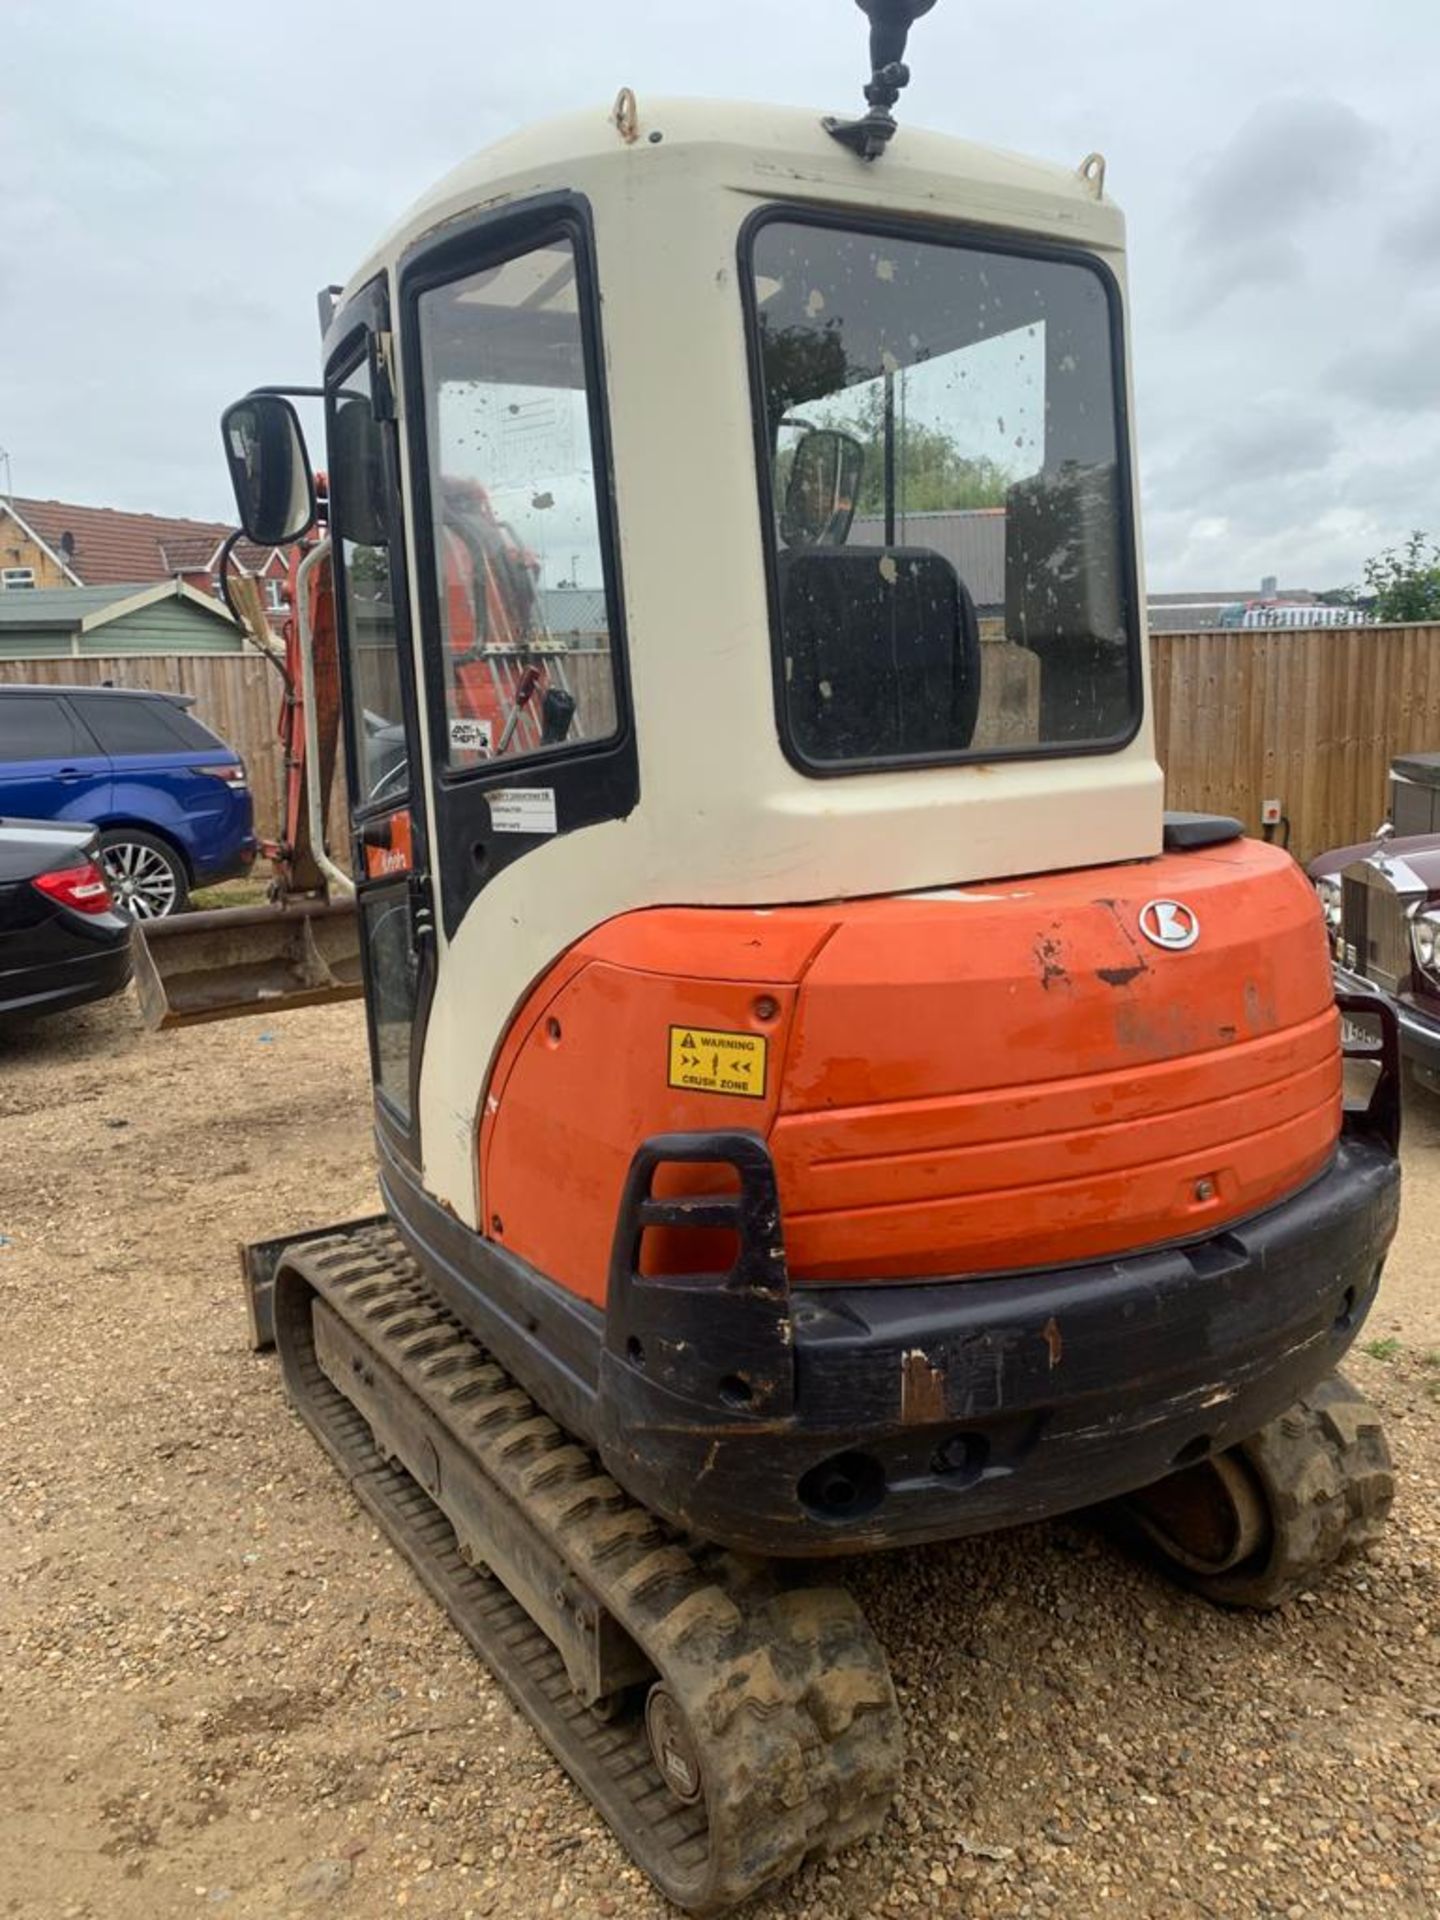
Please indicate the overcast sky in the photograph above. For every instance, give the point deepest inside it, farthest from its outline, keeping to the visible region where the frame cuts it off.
(176, 181)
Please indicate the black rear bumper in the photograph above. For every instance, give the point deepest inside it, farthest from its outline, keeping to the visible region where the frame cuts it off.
(52, 985)
(803, 1420)
(911, 1412)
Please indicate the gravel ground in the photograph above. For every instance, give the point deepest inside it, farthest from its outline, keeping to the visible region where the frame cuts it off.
(219, 1691)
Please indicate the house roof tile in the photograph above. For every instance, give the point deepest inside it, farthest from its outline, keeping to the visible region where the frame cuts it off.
(108, 546)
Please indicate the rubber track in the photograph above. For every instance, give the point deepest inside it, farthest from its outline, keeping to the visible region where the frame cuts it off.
(1325, 1472)
(786, 1692)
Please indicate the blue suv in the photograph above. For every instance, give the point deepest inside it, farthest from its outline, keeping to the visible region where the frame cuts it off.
(170, 799)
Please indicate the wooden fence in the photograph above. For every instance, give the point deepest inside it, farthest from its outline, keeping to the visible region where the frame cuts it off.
(1310, 717)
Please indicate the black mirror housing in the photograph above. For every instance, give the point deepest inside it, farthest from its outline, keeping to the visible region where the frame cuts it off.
(357, 473)
(269, 468)
(822, 489)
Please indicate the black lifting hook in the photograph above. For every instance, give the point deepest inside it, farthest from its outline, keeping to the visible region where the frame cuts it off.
(890, 24)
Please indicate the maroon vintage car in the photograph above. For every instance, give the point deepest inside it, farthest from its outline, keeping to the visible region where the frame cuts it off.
(1382, 907)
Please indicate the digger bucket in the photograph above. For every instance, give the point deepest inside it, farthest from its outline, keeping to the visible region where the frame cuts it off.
(242, 960)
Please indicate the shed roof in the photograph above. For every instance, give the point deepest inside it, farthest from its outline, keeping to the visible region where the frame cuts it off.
(81, 609)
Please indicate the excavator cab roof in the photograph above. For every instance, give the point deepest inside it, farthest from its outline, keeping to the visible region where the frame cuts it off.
(761, 153)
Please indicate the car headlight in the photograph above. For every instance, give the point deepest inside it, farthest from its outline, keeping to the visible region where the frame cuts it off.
(1328, 892)
(1425, 939)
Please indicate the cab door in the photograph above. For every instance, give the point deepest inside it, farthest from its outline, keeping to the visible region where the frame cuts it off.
(518, 586)
(383, 760)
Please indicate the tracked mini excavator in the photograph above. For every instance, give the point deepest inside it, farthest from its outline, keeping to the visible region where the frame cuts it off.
(823, 1103)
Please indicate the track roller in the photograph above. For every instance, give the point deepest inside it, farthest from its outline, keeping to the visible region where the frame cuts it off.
(1253, 1526)
(727, 1727)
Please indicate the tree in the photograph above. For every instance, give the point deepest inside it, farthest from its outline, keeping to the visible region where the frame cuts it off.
(932, 474)
(1406, 580)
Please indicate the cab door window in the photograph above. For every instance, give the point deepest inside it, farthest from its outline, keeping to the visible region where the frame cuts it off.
(520, 567)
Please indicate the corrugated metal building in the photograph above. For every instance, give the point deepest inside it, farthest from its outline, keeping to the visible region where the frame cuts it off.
(576, 614)
(47, 623)
(973, 541)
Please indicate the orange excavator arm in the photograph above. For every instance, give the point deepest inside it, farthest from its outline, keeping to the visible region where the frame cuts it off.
(302, 949)
(294, 856)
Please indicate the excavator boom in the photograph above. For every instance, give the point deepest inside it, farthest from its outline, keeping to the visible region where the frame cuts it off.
(303, 949)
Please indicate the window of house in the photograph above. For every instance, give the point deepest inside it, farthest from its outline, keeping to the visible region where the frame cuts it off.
(12, 578)
(515, 504)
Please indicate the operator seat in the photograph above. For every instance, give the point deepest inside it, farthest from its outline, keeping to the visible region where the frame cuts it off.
(881, 650)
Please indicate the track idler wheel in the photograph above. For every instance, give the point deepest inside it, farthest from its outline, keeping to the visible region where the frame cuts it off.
(672, 1746)
(1257, 1524)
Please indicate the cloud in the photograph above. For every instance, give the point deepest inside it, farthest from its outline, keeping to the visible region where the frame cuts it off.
(170, 211)
(1276, 443)
(1290, 160)
(1415, 239)
(1399, 375)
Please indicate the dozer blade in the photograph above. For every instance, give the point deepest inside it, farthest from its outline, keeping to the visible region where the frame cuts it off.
(243, 960)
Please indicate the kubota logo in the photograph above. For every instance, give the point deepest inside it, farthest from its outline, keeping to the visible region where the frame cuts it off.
(1170, 923)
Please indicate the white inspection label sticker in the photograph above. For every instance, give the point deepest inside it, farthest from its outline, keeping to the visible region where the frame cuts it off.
(522, 809)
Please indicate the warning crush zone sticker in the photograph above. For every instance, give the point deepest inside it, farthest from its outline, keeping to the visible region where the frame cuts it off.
(704, 1061)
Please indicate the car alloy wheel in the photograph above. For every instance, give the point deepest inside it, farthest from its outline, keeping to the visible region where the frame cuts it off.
(143, 881)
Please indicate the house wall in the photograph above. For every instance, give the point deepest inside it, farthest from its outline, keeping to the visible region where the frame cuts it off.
(17, 549)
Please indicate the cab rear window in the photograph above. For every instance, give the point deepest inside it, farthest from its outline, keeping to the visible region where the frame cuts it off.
(945, 495)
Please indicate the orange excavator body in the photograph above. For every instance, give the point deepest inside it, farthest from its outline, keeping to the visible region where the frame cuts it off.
(980, 1080)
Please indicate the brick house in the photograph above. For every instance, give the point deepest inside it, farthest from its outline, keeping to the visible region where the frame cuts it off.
(48, 543)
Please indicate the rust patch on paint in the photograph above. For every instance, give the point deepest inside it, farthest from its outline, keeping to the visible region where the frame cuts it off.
(922, 1390)
(1050, 1334)
(1047, 953)
(1119, 976)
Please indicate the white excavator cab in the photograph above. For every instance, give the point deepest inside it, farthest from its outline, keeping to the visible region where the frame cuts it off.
(641, 426)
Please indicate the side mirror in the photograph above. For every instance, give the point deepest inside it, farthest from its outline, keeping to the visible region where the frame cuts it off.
(269, 468)
(822, 489)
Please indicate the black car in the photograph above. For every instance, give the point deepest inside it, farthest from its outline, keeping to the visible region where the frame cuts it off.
(62, 940)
